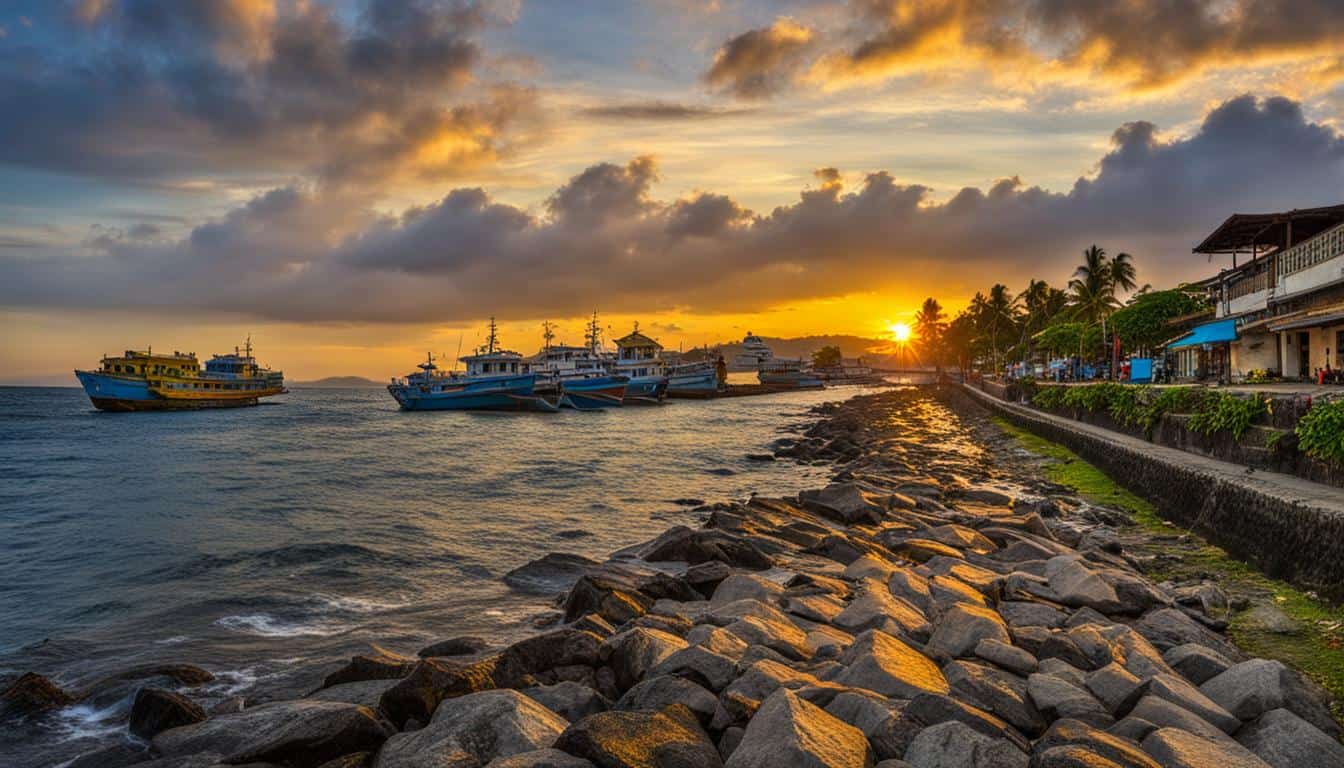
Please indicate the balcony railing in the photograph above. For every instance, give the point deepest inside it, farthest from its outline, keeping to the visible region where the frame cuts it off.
(1309, 253)
(1248, 285)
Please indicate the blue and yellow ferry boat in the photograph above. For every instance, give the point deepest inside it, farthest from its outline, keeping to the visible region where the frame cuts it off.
(148, 381)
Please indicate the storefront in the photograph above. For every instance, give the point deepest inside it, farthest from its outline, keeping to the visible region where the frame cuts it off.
(1205, 352)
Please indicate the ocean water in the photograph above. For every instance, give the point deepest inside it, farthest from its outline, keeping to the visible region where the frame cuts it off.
(267, 544)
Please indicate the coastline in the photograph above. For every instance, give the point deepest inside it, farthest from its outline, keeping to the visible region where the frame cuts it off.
(937, 603)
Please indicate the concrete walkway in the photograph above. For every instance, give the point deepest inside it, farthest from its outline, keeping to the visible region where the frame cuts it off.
(1288, 525)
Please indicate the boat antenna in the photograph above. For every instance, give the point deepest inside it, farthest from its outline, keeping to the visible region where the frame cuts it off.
(458, 356)
(594, 334)
(248, 346)
(547, 335)
(492, 342)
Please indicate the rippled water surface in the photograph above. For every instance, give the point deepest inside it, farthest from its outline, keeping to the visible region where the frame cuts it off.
(263, 543)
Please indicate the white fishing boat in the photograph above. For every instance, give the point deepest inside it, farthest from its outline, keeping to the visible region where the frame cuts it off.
(640, 358)
(754, 353)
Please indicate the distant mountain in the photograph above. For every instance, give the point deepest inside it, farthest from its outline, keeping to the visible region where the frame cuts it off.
(337, 382)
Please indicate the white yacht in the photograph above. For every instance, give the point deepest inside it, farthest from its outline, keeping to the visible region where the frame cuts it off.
(754, 353)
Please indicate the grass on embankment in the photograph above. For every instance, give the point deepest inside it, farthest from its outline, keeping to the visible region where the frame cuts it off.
(1316, 646)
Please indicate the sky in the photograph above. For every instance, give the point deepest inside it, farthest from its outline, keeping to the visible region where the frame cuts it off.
(356, 182)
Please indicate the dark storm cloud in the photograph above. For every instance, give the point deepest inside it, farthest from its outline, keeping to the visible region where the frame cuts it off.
(603, 240)
(660, 111)
(1138, 44)
(759, 62)
(151, 88)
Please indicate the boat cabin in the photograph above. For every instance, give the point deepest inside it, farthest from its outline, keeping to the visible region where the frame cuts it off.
(639, 355)
(146, 363)
(498, 363)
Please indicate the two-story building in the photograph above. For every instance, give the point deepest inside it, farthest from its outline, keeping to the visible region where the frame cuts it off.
(1280, 307)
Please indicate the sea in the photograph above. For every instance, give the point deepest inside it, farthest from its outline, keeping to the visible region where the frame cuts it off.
(269, 544)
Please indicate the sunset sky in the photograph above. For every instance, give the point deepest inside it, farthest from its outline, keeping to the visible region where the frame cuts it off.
(357, 182)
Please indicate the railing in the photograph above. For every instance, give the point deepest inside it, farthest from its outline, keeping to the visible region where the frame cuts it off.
(1248, 285)
(1309, 253)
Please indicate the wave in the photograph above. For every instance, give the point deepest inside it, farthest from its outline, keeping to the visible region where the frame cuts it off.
(345, 604)
(86, 722)
(287, 556)
(266, 625)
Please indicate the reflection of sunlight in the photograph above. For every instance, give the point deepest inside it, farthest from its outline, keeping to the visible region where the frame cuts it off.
(900, 332)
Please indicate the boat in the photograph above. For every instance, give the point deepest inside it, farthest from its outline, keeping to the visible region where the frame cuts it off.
(694, 380)
(494, 380)
(786, 373)
(640, 358)
(579, 375)
(754, 353)
(849, 371)
(149, 381)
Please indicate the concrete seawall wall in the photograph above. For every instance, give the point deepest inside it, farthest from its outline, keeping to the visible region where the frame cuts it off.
(1290, 528)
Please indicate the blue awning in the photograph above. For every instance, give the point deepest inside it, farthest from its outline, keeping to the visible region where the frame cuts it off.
(1217, 332)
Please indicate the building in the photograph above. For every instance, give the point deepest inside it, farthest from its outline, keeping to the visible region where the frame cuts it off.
(1280, 307)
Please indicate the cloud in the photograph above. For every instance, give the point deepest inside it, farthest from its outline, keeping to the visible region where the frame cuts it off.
(1138, 45)
(661, 111)
(304, 253)
(152, 89)
(760, 62)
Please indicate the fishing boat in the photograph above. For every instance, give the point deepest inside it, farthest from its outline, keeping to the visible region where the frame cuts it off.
(849, 371)
(149, 381)
(785, 373)
(754, 353)
(580, 375)
(640, 358)
(494, 380)
(694, 380)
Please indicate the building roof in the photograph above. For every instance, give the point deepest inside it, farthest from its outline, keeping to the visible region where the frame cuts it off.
(1217, 332)
(1243, 231)
(637, 339)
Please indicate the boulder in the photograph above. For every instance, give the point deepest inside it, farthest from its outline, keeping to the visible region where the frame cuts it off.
(1003, 694)
(1196, 663)
(455, 646)
(1167, 628)
(1254, 687)
(922, 550)
(156, 710)
(1178, 691)
(31, 694)
(876, 608)
(726, 614)
(879, 718)
(568, 699)
(631, 654)
(681, 544)
(1285, 740)
(911, 587)
(956, 745)
(870, 567)
(541, 758)
(1005, 655)
(788, 731)
(706, 577)
(610, 599)
(928, 709)
(1160, 713)
(1077, 585)
(962, 627)
(301, 733)
(744, 586)
(367, 693)
(963, 538)
(416, 696)
(1099, 743)
(1031, 614)
(550, 574)
(671, 738)
(844, 502)
(1072, 756)
(782, 637)
(1114, 687)
(379, 664)
(881, 663)
(701, 665)
(483, 726)
(820, 608)
(656, 693)
(1057, 698)
(745, 694)
(1174, 748)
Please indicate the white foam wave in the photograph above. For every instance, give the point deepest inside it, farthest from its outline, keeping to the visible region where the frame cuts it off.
(266, 625)
(85, 722)
(357, 604)
(174, 640)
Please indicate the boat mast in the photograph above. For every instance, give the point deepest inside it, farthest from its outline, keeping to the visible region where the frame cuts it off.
(594, 336)
(492, 341)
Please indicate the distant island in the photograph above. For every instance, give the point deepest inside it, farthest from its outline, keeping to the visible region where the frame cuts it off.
(338, 382)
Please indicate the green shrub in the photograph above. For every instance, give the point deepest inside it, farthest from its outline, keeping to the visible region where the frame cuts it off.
(1221, 412)
(1164, 401)
(1320, 432)
(1048, 398)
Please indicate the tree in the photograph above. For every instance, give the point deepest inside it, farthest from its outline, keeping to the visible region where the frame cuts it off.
(826, 357)
(1042, 305)
(1142, 324)
(930, 327)
(999, 315)
(1092, 288)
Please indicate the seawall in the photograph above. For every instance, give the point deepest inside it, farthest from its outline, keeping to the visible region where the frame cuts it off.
(1289, 527)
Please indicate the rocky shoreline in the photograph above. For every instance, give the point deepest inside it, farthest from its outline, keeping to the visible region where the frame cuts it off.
(938, 604)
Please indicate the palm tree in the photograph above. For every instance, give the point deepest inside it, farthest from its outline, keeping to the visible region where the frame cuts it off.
(1122, 273)
(1000, 310)
(1092, 290)
(929, 324)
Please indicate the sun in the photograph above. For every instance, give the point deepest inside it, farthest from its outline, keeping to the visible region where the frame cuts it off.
(900, 332)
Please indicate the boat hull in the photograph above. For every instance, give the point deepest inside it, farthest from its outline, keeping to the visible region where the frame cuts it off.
(125, 394)
(642, 390)
(505, 393)
(694, 385)
(791, 380)
(594, 392)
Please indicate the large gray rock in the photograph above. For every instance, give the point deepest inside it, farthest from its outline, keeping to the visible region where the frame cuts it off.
(365, 693)
(1161, 713)
(962, 627)
(568, 699)
(668, 739)
(705, 545)
(481, 726)
(874, 607)
(822, 608)
(378, 664)
(656, 693)
(1078, 585)
(612, 600)
(844, 502)
(1003, 694)
(783, 637)
(746, 586)
(788, 731)
(928, 709)
(1005, 655)
(1029, 614)
(1285, 740)
(156, 710)
(1184, 695)
(727, 613)
(1167, 628)
(759, 682)
(1254, 687)
(1099, 744)
(1057, 698)
(1174, 748)
(701, 665)
(879, 718)
(881, 663)
(955, 745)
(540, 758)
(1196, 663)
(911, 587)
(1114, 686)
(304, 733)
(634, 652)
